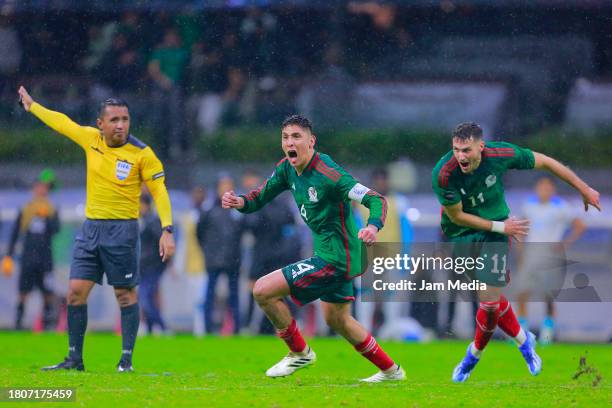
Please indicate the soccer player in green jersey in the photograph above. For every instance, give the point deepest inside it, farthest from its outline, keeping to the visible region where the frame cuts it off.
(322, 191)
(468, 183)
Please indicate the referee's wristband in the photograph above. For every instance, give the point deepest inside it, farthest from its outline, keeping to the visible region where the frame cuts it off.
(498, 226)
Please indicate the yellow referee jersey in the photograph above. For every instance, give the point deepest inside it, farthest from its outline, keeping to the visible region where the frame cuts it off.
(114, 174)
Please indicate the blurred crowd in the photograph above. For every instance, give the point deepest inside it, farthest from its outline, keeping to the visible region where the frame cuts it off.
(188, 73)
(198, 70)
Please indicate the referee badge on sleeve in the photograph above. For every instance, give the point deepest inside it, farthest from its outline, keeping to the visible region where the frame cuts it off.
(122, 171)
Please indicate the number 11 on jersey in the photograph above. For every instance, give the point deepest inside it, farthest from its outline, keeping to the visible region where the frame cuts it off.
(480, 197)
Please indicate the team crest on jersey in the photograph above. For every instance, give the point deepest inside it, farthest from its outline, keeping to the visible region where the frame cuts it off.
(490, 180)
(122, 171)
(312, 195)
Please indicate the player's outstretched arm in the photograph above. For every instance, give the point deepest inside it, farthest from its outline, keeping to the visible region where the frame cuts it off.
(56, 120)
(589, 195)
(350, 189)
(258, 198)
(377, 204)
(231, 200)
(513, 227)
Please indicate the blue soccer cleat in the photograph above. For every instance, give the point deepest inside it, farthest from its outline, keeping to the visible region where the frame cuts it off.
(534, 362)
(463, 370)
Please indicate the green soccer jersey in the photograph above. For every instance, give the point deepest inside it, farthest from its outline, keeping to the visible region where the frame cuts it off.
(323, 193)
(481, 192)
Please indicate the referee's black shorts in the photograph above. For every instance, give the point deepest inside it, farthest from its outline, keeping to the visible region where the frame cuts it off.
(110, 247)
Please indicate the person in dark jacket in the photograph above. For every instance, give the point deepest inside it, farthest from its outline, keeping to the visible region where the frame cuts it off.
(151, 266)
(219, 233)
(276, 244)
(37, 222)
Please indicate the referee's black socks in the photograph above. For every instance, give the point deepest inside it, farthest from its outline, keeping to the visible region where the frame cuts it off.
(77, 324)
(130, 318)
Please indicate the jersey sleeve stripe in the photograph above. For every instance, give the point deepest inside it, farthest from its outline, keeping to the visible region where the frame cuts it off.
(373, 193)
(384, 210)
(448, 168)
(327, 171)
(255, 193)
(324, 168)
(345, 239)
(321, 166)
(446, 171)
(499, 152)
(314, 162)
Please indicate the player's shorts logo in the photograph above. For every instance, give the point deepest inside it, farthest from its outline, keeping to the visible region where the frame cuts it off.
(122, 171)
(312, 194)
(490, 180)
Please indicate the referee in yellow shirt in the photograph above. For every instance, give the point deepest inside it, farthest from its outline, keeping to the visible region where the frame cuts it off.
(109, 243)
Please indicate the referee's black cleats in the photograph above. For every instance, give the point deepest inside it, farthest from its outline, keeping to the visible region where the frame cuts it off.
(67, 364)
(124, 367)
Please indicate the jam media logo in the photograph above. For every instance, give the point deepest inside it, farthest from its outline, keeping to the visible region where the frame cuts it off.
(122, 170)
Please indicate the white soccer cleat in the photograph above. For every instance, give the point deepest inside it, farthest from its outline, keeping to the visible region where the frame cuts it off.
(397, 375)
(290, 363)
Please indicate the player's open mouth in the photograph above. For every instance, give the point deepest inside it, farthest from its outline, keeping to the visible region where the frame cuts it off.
(292, 154)
(464, 165)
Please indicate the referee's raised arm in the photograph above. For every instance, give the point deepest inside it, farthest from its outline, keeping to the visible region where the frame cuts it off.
(56, 120)
(25, 99)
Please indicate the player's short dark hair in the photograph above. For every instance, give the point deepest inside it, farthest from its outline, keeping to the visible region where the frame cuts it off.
(298, 120)
(467, 131)
(111, 102)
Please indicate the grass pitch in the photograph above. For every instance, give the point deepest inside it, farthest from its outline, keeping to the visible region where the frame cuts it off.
(214, 371)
